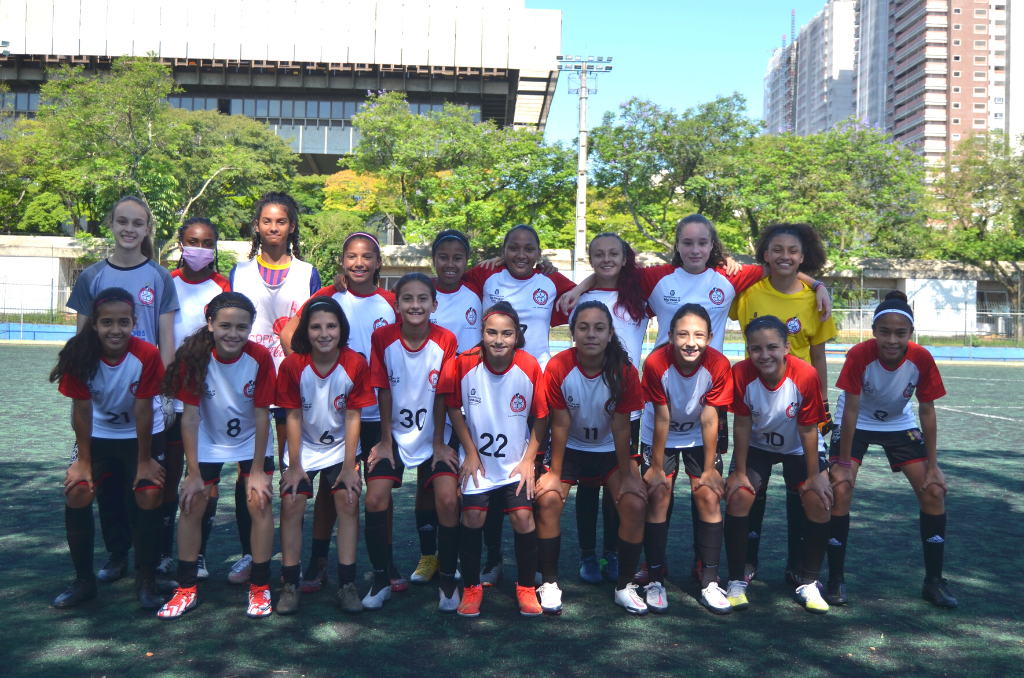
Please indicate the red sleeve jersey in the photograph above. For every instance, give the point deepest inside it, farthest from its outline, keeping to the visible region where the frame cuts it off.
(777, 413)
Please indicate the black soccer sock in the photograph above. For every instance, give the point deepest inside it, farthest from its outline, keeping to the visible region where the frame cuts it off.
(526, 557)
(393, 572)
(111, 505)
(187, 572)
(609, 522)
(933, 539)
(168, 517)
(737, 544)
(207, 527)
(548, 551)
(709, 545)
(671, 504)
(376, 533)
(319, 550)
(447, 557)
(242, 518)
(629, 559)
(814, 547)
(346, 574)
(695, 520)
(426, 528)
(81, 531)
(794, 528)
(493, 525)
(469, 554)
(837, 542)
(655, 541)
(260, 575)
(150, 524)
(755, 521)
(586, 519)
(291, 573)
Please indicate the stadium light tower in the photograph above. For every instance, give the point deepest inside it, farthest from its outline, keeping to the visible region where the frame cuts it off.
(583, 72)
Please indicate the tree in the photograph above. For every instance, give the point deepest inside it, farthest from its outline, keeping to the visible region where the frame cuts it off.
(45, 214)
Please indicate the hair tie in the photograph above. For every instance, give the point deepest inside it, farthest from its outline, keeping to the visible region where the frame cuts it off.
(361, 234)
(446, 237)
(499, 312)
(103, 300)
(895, 310)
(211, 313)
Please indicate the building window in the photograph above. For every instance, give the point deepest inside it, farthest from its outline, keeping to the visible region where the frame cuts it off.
(980, 43)
(979, 107)
(997, 100)
(956, 121)
(956, 90)
(956, 11)
(956, 104)
(956, 137)
(956, 27)
(979, 90)
(956, 74)
(997, 116)
(979, 75)
(981, 12)
(980, 28)
(979, 122)
(979, 59)
(956, 57)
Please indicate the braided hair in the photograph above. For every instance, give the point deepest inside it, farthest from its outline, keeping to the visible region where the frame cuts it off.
(80, 357)
(717, 256)
(187, 372)
(616, 360)
(192, 221)
(291, 207)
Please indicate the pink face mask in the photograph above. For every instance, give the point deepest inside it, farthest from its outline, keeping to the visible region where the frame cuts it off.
(197, 258)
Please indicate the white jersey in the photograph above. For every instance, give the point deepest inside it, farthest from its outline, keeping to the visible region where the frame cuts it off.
(459, 312)
(227, 406)
(533, 298)
(275, 304)
(114, 389)
(885, 394)
(685, 395)
(193, 298)
(630, 332)
(588, 401)
(412, 378)
(778, 413)
(324, 401)
(365, 314)
(668, 287)
(496, 407)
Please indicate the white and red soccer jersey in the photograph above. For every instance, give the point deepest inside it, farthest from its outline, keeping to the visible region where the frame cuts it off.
(776, 413)
(412, 377)
(588, 400)
(459, 312)
(630, 332)
(686, 395)
(365, 314)
(324, 400)
(227, 406)
(114, 389)
(275, 304)
(533, 298)
(193, 298)
(668, 287)
(496, 408)
(885, 395)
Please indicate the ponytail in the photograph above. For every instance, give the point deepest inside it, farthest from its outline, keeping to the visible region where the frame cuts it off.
(80, 357)
(616, 360)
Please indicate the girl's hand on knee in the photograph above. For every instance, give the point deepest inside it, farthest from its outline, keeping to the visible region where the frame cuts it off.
(77, 474)
(291, 478)
(934, 476)
(190, 487)
(737, 481)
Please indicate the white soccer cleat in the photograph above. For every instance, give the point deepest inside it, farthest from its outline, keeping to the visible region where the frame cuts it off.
(241, 570)
(448, 604)
(656, 597)
(810, 596)
(550, 598)
(629, 598)
(375, 602)
(737, 594)
(713, 598)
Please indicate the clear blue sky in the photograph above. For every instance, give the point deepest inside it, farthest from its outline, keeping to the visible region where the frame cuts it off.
(676, 53)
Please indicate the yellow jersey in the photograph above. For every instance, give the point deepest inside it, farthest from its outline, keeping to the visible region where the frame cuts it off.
(798, 311)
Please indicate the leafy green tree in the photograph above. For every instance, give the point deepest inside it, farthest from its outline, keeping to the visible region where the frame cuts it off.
(45, 214)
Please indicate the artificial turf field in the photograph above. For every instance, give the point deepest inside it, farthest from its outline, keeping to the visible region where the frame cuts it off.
(887, 629)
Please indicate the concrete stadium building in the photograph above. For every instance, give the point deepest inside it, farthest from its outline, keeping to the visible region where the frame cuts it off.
(304, 67)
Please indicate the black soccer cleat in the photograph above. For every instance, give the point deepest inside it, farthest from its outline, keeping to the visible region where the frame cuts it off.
(149, 595)
(937, 591)
(77, 593)
(114, 568)
(836, 593)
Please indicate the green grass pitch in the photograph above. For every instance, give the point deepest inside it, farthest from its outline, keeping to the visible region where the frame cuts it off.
(887, 630)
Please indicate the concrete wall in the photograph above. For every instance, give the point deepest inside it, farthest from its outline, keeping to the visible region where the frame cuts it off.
(939, 305)
(30, 283)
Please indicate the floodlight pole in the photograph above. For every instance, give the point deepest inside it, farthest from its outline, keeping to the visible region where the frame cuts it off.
(580, 251)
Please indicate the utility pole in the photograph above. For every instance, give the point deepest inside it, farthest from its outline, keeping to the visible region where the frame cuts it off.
(580, 70)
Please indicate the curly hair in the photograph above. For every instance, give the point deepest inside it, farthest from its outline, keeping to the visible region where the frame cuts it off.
(717, 256)
(616, 360)
(291, 207)
(815, 257)
(631, 296)
(187, 372)
(80, 357)
(148, 250)
(203, 221)
(300, 340)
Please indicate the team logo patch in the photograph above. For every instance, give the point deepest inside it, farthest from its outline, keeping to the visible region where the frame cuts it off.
(134, 387)
(703, 400)
(571, 403)
(471, 316)
(210, 393)
(540, 296)
(792, 410)
(717, 296)
(339, 402)
(518, 403)
(433, 377)
(610, 405)
(249, 389)
(793, 325)
(671, 297)
(146, 295)
(279, 324)
(915, 435)
(474, 399)
(909, 390)
(379, 323)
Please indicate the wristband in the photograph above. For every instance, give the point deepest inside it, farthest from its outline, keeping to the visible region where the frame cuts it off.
(844, 464)
(816, 285)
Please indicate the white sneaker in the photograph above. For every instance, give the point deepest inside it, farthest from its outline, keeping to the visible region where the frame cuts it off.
(202, 574)
(810, 596)
(448, 604)
(630, 599)
(490, 577)
(550, 598)
(713, 598)
(241, 570)
(657, 598)
(737, 594)
(376, 602)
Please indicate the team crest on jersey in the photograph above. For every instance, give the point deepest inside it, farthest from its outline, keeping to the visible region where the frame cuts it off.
(609, 406)
(209, 392)
(474, 399)
(392, 378)
(793, 325)
(717, 296)
(518, 403)
(471, 316)
(570, 403)
(540, 296)
(379, 323)
(249, 390)
(147, 295)
(433, 377)
(339, 402)
(792, 410)
(134, 388)
(495, 296)
(908, 392)
(671, 297)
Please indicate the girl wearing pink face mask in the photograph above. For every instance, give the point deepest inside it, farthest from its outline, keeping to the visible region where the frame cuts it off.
(196, 282)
